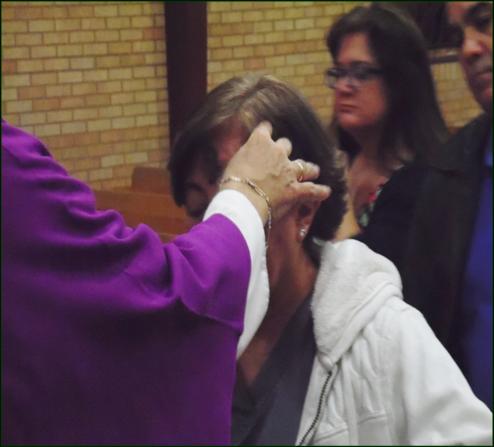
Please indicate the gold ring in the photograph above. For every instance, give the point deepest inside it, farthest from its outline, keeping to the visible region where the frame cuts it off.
(300, 176)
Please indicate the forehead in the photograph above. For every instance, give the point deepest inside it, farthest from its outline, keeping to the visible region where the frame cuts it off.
(355, 47)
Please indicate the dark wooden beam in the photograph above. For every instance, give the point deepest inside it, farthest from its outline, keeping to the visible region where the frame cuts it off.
(186, 58)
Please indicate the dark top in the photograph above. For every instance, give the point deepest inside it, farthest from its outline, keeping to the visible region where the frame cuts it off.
(269, 411)
(387, 229)
(441, 234)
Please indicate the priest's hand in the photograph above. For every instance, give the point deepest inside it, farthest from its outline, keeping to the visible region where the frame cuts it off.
(261, 169)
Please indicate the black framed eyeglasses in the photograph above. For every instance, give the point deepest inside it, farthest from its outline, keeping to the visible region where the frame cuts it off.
(356, 75)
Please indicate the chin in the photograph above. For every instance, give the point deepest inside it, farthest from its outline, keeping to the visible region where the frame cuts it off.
(481, 87)
(350, 126)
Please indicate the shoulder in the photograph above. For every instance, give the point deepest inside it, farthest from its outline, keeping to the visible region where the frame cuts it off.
(397, 326)
(405, 337)
(461, 146)
(395, 316)
(475, 130)
(392, 317)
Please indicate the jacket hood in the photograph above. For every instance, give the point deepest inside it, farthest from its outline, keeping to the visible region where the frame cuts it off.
(352, 285)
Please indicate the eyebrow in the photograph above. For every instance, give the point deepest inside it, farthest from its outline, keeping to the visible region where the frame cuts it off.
(476, 9)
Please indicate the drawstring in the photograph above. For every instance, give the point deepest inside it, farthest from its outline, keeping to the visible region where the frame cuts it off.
(319, 409)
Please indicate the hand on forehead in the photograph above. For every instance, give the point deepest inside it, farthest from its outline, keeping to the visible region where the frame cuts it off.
(227, 140)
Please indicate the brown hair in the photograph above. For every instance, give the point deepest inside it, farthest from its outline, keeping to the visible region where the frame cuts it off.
(414, 117)
(251, 99)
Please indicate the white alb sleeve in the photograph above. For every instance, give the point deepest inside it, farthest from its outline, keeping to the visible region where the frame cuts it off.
(234, 205)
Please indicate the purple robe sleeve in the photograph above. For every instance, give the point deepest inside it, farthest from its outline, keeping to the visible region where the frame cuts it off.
(109, 336)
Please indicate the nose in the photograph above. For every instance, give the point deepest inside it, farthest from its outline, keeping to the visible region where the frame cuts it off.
(344, 85)
(472, 44)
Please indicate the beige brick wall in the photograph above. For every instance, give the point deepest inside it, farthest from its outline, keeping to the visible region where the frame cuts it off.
(287, 39)
(456, 101)
(89, 78)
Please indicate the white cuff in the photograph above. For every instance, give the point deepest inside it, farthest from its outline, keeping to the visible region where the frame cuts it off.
(234, 205)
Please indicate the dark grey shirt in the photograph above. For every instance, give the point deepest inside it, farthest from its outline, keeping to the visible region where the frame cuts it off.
(269, 411)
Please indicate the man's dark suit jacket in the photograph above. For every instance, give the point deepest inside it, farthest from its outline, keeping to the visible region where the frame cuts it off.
(441, 234)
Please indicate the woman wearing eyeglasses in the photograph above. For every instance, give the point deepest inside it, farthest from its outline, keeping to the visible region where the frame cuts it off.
(386, 119)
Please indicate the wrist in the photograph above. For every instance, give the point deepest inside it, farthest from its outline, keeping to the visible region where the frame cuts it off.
(258, 202)
(255, 195)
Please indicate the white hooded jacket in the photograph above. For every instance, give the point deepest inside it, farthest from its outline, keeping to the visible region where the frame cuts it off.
(380, 375)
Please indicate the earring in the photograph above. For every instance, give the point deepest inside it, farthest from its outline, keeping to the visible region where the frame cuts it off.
(303, 232)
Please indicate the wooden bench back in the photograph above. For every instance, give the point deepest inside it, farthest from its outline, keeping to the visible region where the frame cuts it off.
(139, 202)
(149, 179)
(156, 210)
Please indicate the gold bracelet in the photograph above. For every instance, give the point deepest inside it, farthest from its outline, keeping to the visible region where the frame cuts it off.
(259, 192)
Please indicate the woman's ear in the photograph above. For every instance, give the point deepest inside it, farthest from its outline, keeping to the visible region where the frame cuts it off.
(304, 218)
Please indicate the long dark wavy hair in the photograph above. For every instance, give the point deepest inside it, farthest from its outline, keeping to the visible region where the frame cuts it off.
(414, 119)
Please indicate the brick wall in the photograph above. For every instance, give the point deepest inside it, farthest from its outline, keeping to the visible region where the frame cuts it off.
(457, 103)
(90, 80)
(287, 39)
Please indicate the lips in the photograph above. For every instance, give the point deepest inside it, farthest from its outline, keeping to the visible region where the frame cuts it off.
(484, 68)
(483, 76)
(345, 107)
(481, 69)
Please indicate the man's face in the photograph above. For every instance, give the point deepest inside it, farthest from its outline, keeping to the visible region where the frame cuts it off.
(473, 23)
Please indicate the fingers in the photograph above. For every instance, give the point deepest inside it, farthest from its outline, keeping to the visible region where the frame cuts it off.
(301, 169)
(265, 128)
(305, 170)
(311, 171)
(308, 191)
(285, 144)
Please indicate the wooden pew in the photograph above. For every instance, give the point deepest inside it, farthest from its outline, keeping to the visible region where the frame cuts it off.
(156, 210)
(140, 202)
(149, 179)
(166, 237)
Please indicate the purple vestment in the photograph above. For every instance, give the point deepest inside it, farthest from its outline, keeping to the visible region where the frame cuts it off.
(109, 336)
